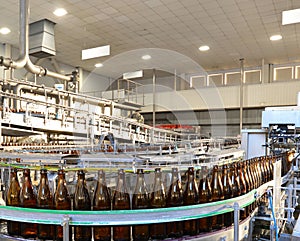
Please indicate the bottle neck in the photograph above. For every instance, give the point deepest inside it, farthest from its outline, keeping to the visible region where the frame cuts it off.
(158, 179)
(233, 177)
(13, 178)
(121, 185)
(101, 181)
(44, 179)
(225, 181)
(175, 177)
(61, 176)
(204, 183)
(215, 178)
(141, 185)
(27, 178)
(191, 177)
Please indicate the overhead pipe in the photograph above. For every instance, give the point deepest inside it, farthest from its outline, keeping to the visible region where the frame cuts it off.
(78, 97)
(21, 61)
(42, 90)
(24, 60)
(58, 95)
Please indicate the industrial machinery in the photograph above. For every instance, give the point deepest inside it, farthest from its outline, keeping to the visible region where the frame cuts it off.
(53, 128)
(279, 134)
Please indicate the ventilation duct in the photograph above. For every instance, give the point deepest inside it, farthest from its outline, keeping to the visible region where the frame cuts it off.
(24, 60)
(41, 39)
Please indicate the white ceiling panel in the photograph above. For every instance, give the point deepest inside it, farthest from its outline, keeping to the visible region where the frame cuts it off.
(232, 28)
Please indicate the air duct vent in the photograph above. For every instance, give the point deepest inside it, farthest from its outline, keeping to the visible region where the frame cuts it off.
(41, 39)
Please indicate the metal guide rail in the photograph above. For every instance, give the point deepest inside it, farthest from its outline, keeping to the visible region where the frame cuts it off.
(125, 217)
(77, 120)
(129, 161)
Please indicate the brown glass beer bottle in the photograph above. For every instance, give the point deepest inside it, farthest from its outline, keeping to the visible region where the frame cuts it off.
(13, 199)
(175, 199)
(264, 170)
(217, 195)
(121, 201)
(158, 200)
(253, 173)
(140, 200)
(82, 202)
(227, 189)
(44, 201)
(259, 172)
(28, 200)
(102, 201)
(204, 197)
(243, 188)
(191, 197)
(235, 181)
(62, 201)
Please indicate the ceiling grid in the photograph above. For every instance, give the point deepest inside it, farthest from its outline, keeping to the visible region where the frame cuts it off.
(232, 29)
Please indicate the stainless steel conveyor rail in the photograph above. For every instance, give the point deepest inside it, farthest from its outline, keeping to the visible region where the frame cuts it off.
(124, 217)
(92, 125)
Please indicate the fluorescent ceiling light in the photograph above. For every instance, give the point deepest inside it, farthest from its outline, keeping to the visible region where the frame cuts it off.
(275, 37)
(98, 65)
(291, 16)
(4, 30)
(204, 48)
(146, 57)
(60, 12)
(132, 75)
(95, 52)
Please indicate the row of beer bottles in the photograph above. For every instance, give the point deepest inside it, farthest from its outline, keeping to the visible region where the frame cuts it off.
(25, 196)
(223, 183)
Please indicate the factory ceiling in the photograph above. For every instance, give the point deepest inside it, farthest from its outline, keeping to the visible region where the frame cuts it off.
(170, 31)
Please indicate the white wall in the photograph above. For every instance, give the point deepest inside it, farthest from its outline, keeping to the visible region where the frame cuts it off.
(256, 95)
(94, 84)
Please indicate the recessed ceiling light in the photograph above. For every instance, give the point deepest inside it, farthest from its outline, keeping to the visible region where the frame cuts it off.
(4, 30)
(98, 65)
(275, 37)
(146, 57)
(60, 12)
(204, 48)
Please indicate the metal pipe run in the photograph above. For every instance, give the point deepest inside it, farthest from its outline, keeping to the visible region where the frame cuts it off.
(24, 60)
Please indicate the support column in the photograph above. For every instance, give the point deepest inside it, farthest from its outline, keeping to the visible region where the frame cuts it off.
(241, 94)
(154, 97)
